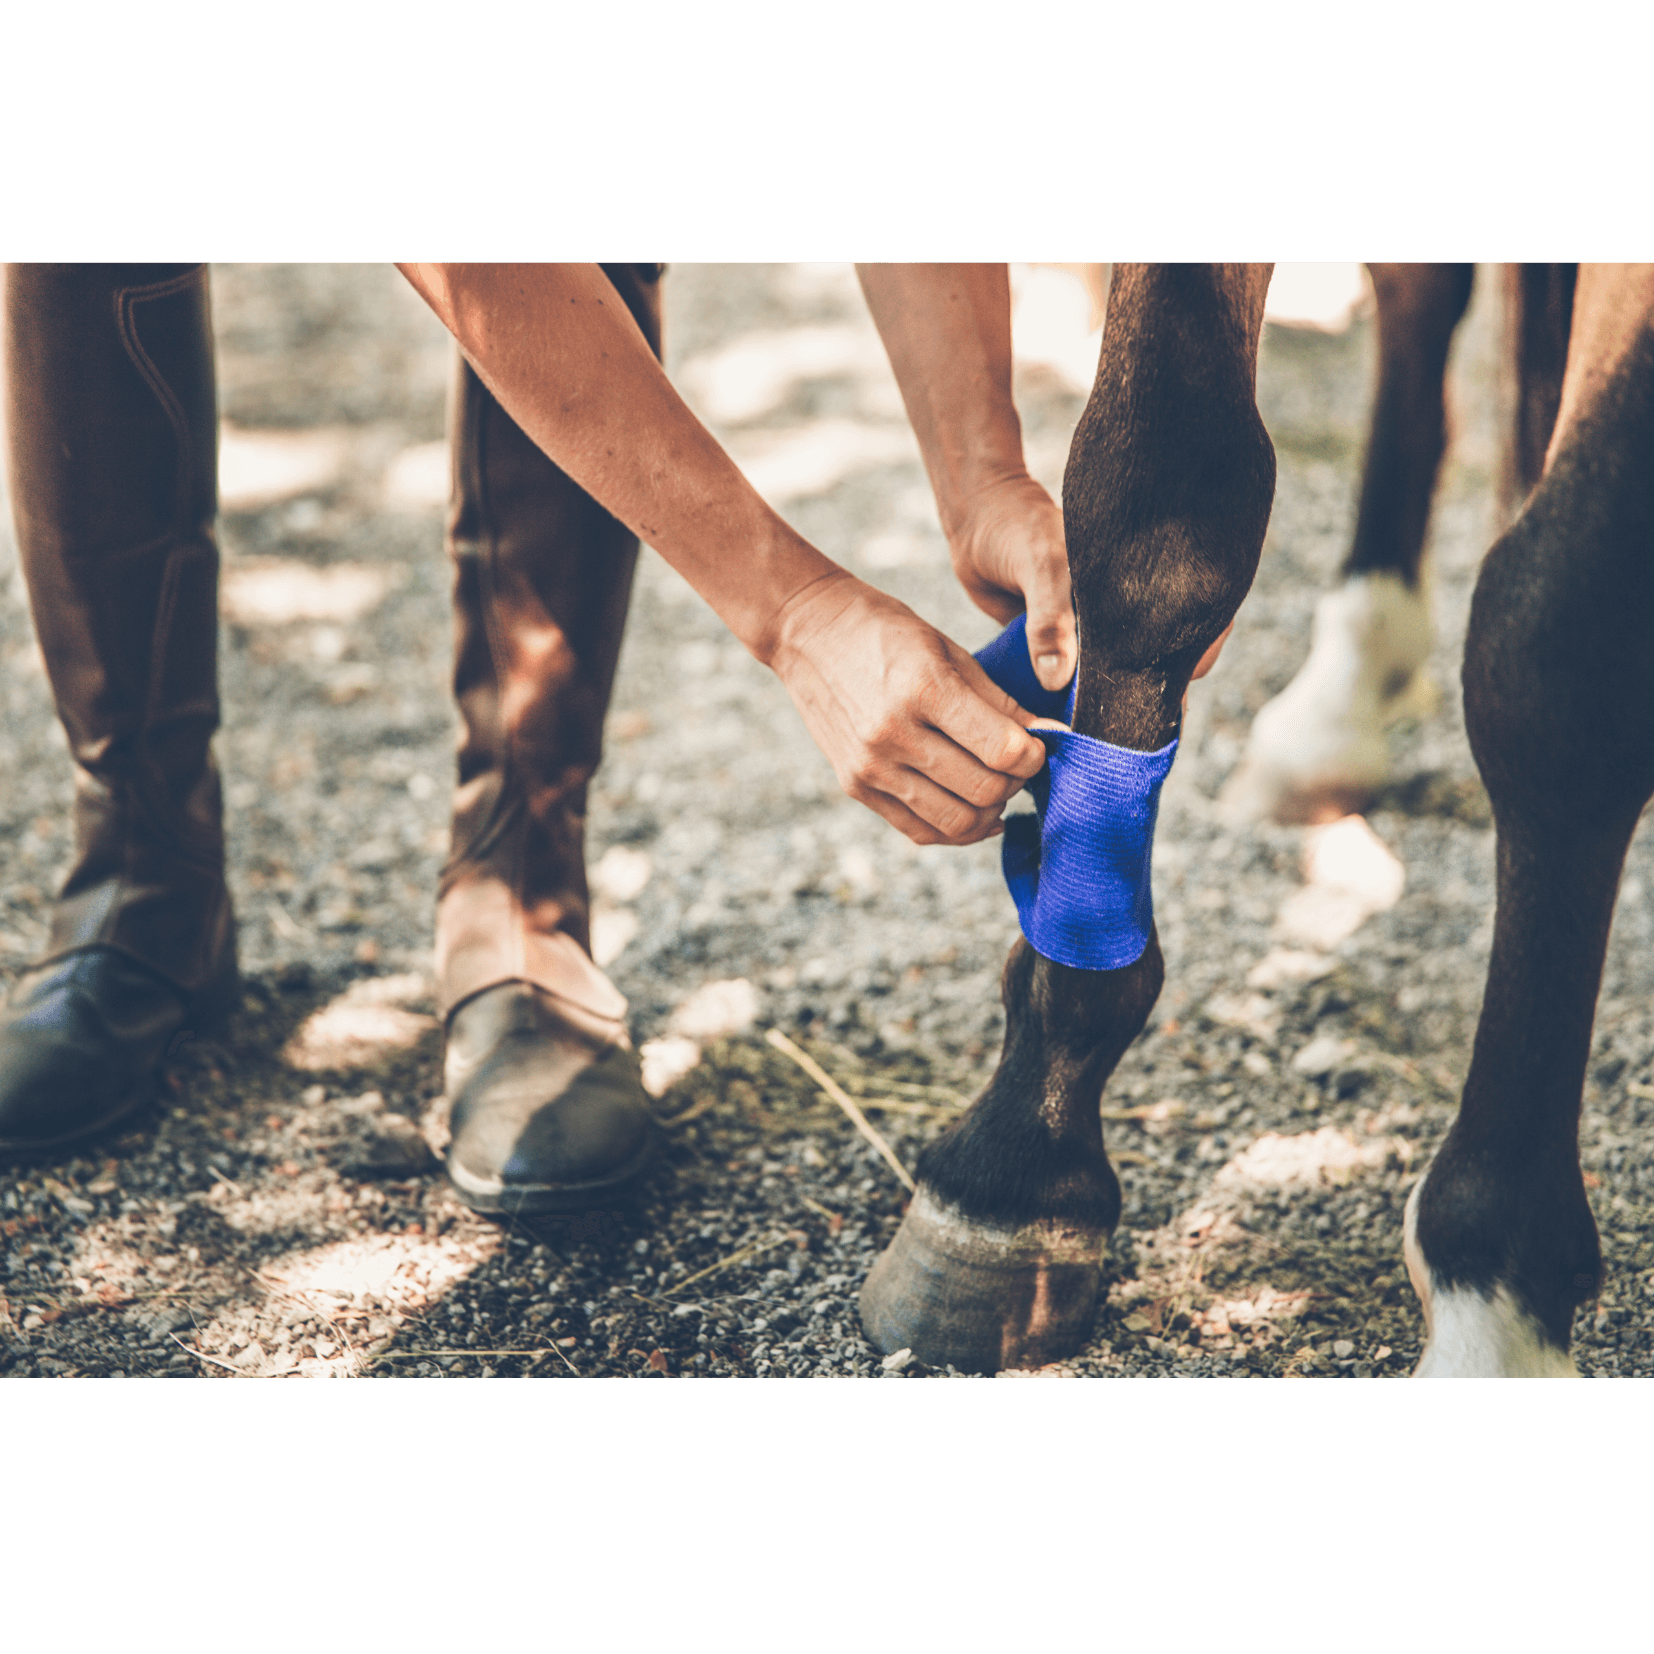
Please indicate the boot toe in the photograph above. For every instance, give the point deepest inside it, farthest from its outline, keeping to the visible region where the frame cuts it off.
(541, 1121)
(81, 1046)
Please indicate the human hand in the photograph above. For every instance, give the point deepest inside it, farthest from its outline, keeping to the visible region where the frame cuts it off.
(1009, 554)
(912, 725)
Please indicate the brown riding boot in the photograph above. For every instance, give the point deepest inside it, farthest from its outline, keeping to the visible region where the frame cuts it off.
(112, 429)
(547, 1108)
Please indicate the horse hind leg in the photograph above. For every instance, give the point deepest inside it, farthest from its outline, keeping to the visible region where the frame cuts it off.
(1559, 706)
(1318, 750)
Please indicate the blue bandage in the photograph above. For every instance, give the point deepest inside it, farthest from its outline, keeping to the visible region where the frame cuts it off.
(1079, 867)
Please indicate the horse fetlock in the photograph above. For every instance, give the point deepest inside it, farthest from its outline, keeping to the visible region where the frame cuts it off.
(980, 1296)
(1501, 1261)
(1318, 750)
(998, 1258)
(1477, 1332)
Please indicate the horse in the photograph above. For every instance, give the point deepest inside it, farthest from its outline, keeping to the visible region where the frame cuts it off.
(1166, 497)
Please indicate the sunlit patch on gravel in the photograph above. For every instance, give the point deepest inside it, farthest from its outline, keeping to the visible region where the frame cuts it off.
(717, 1010)
(259, 467)
(328, 1308)
(755, 374)
(368, 1022)
(1349, 875)
(665, 1061)
(1210, 1282)
(275, 591)
(1306, 1159)
(417, 478)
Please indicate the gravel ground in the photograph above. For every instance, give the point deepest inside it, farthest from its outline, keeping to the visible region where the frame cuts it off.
(281, 1213)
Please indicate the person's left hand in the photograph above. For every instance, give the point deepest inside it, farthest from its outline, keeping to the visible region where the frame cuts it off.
(1009, 554)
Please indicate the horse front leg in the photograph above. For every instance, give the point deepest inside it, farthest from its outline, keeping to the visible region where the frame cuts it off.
(1166, 499)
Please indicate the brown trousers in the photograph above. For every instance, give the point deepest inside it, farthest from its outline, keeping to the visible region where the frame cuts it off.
(112, 428)
(542, 575)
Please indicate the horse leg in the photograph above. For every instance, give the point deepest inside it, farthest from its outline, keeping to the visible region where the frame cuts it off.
(1500, 1240)
(1318, 751)
(1539, 306)
(1165, 500)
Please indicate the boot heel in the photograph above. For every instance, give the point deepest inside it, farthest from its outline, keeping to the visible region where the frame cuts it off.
(211, 1009)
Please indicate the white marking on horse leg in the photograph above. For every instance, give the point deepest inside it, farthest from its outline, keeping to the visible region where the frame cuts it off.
(1318, 749)
(1469, 1335)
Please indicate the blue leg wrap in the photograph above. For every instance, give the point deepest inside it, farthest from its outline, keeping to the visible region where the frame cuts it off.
(1079, 868)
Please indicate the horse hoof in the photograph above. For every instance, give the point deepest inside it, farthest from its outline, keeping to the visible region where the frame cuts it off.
(979, 1296)
(1473, 1334)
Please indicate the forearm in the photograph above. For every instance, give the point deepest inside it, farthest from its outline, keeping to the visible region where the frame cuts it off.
(558, 349)
(947, 331)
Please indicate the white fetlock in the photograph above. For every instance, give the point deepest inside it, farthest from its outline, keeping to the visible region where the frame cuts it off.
(1468, 1335)
(1318, 750)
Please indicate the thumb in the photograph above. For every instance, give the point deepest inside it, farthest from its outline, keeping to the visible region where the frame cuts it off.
(1053, 644)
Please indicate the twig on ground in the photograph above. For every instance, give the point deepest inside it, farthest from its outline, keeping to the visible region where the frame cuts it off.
(735, 1257)
(1418, 1074)
(401, 1355)
(693, 1112)
(834, 1090)
(946, 1097)
(201, 1355)
(302, 1296)
(286, 926)
(896, 1105)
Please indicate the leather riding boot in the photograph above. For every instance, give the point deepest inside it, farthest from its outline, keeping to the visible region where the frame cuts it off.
(547, 1107)
(112, 435)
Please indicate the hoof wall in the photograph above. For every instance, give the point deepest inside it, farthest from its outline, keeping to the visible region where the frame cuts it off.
(980, 1297)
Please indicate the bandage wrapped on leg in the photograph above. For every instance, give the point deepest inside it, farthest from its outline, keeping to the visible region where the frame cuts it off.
(1078, 869)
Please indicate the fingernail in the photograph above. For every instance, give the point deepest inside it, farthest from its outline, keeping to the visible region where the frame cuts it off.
(1051, 663)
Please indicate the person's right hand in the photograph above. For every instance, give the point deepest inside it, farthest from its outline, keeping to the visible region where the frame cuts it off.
(912, 725)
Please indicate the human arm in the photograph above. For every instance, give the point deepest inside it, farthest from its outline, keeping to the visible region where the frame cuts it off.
(912, 726)
(947, 331)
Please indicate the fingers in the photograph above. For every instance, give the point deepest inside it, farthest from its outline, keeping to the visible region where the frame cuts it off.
(927, 814)
(930, 787)
(974, 713)
(1053, 643)
(1011, 555)
(943, 771)
(913, 726)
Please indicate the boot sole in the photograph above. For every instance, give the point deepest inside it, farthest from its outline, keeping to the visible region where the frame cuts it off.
(22, 1151)
(495, 1196)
